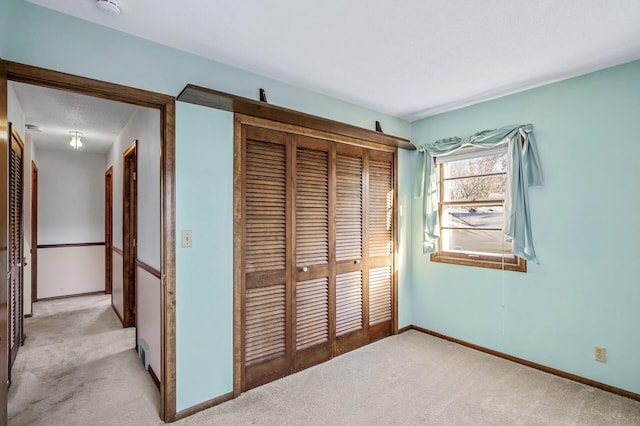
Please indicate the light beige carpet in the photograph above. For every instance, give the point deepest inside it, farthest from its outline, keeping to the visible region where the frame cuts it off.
(416, 379)
(77, 368)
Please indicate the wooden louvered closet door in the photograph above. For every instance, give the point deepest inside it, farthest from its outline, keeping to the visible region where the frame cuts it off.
(317, 254)
(380, 219)
(350, 230)
(312, 278)
(266, 297)
(15, 244)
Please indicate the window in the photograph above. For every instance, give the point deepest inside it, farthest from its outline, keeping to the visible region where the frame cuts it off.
(472, 184)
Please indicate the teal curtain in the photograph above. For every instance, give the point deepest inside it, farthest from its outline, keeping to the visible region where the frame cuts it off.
(523, 171)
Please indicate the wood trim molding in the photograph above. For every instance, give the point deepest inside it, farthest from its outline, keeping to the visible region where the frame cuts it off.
(118, 315)
(4, 234)
(150, 269)
(130, 148)
(396, 239)
(154, 377)
(67, 245)
(66, 296)
(203, 406)
(407, 328)
(237, 104)
(517, 264)
(238, 267)
(546, 369)
(34, 232)
(304, 131)
(117, 250)
(58, 80)
(168, 262)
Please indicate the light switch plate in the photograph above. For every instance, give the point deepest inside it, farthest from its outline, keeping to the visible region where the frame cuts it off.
(187, 238)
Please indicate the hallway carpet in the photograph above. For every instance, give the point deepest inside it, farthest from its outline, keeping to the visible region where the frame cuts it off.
(77, 368)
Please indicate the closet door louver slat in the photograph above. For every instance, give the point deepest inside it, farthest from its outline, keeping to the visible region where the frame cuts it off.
(348, 302)
(265, 324)
(312, 313)
(265, 207)
(380, 208)
(348, 208)
(312, 207)
(379, 295)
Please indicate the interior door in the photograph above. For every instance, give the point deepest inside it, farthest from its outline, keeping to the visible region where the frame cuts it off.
(267, 335)
(34, 233)
(351, 315)
(108, 230)
(380, 220)
(129, 234)
(16, 151)
(314, 329)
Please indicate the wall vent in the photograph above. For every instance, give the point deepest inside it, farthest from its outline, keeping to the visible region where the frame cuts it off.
(144, 353)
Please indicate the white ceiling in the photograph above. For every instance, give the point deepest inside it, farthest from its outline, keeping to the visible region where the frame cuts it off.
(406, 58)
(57, 112)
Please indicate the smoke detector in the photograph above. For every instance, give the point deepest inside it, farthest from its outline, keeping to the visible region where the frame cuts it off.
(112, 7)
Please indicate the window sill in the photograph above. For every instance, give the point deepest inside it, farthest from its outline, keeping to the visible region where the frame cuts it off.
(517, 264)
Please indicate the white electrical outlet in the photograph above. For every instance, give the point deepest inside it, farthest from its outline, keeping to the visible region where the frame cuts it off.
(187, 238)
(600, 354)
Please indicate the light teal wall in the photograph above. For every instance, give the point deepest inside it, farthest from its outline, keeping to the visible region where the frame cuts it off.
(204, 281)
(4, 20)
(203, 165)
(586, 289)
(405, 235)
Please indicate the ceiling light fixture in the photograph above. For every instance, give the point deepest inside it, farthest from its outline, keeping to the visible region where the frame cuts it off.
(33, 128)
(112, 7)
(75, 140)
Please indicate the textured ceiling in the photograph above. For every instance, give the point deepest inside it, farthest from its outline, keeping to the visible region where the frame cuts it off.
(406, 58)
(59, 112)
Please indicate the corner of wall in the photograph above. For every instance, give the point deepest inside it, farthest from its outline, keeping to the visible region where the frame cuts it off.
(405, 237)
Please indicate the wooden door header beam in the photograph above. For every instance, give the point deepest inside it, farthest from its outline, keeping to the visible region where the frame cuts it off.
(237, 104)
(62, 81)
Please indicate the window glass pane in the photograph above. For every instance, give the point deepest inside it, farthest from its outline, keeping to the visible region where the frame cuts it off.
(475, 188)
(476, 241)
(472, 217)
(477, 166)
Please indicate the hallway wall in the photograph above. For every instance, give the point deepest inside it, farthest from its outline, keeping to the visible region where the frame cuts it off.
(26, 218)
(71, 212)
(143, 127)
